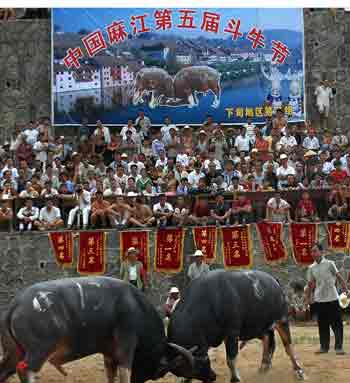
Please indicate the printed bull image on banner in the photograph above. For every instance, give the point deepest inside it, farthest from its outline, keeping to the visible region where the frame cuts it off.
(186, 64)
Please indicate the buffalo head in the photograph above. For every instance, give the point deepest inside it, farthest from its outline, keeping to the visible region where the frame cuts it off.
(186, 363)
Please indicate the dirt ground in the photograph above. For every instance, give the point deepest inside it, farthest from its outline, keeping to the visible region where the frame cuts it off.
(327, 368)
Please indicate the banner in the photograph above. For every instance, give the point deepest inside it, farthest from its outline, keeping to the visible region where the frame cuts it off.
(205, 239)
(62, 245)
(338, 235)
(139, 240)
(303, 236)
(109, 64)
(270, 234)
(92, 247)
(237, 247)
(169, 250)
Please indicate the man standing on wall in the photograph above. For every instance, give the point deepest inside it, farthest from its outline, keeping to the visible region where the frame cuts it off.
(322, 277)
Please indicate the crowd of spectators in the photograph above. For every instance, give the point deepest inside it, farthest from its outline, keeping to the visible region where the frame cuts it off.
(142, 175)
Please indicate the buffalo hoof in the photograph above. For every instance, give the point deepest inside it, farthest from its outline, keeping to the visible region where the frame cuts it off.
(300, 375)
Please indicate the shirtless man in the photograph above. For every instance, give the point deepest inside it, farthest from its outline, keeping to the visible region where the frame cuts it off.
(120, 213)
(181, 212)
(280, 121)
(141, 214)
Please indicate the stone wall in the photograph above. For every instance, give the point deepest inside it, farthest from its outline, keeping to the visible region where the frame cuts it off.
(28, 258)
(327, 56)
(25, 72)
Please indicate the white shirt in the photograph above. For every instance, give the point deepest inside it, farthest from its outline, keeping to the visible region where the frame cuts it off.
(194, 177)
(161, 162)
(40, 150)
(132, 273)
(327, 167)
(106, 134)
(158, 208)
(324, 273)
(132, 129)
(140, 165)
(272, 203)
(32, 135)
(242, 143)
(13, 171)
(84, 200)
(109, 192)
(183, 159)
(311, 143)
(216, 162)
(323, 95)
(33, 214)
(287, 142)
(250, 130)
(282, 171)
(165, 130)
(49, 216)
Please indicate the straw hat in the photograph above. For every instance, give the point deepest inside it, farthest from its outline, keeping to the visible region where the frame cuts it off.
(174, 290)
(132, 250)
(310, 153)
(344, 301)
(198, 253)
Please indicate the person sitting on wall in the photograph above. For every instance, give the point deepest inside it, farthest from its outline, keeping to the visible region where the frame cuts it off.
(83, 200)
(132, 271)
(241, 210)
(306, 210)
(6, 216)
(100, 211)
(163, 211)
(27, 215)
(221, 212)
(50, 217)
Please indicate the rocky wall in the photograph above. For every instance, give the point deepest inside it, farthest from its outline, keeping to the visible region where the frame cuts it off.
(28, 258)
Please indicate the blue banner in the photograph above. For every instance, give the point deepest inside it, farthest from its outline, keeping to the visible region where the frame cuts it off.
(185, 64)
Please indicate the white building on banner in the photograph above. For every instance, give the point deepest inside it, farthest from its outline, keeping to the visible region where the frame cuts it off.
(97, 73)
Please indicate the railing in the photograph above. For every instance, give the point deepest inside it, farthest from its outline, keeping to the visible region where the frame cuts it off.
(258, 199)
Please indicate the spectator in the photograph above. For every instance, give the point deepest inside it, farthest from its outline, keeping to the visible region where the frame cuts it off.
(132, 271)
(49, 217)
(102, 137)
(338, 175)
(6, 216)
(114, 190)
(157, 145)
(278, 210)
(340, 139)
(48, 191)
(181, 212)
(163, 211)
(27, 215)
(143, 123)
(241, 210)
(288, 142)
(29, 192)
(311, 141)
(306, 210)
(284, 171)
(235, 186)
(221, 211)
(184, 187)
(8, 191)
(141, 214)
(198, 267)
(165, 129)
(280, 121)
(100, 211)
(212, 160)
(195, 175)
(203, 142)
(200, 213)
(83, 201)
(31, 133)
(120, 213)
(172, 300)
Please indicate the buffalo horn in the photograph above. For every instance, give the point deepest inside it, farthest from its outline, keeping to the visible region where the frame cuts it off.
(187, 354)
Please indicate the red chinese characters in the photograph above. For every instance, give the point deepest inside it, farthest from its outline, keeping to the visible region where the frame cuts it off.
(256, 37)
(138, 24)
(94, 43)
(280, 52)
(163, 19)
(187, 19)
(72, 58)
(205, 239)
(169, 250)
(116, 32)
(303, 236)
(271, 239)
(338, 235)
(91, 253)
(62, 244)
(139, 240)
(233, 29)
(211, 22)
(236, 247)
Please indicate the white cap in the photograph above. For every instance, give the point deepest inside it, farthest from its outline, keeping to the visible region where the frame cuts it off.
(174, 290)
(283, 156)
(187, 127)
(202, 132)
(132, 250)
(198, 253)
(124, 155)
(132, 194)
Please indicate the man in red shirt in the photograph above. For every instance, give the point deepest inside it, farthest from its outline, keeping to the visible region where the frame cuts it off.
(200, 213)
(338, 175)
(241, 211)
(306, 210)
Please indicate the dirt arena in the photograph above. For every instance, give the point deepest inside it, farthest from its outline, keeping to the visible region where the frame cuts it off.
(319, 368)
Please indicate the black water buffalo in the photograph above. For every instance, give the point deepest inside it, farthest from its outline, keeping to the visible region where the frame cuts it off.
(64, 320)
(190, 81)
(154, 82)
(225, 306)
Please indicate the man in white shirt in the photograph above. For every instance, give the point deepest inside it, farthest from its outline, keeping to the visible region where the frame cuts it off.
(31, 133)
(196, 174)
(250, 128)
(322, 278)
(129, 127)
(114, 190)
(278, 210)
(163, 211)
(83, 199)
(287, 142)
(284, 170)
(50, 217)
(144, 123)
(311, 141)
(166, 128)
(242, 142)
(40, 149)
(104, 131)
(323, 95)
(27, 215)
(339, 139)
(198, 267)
